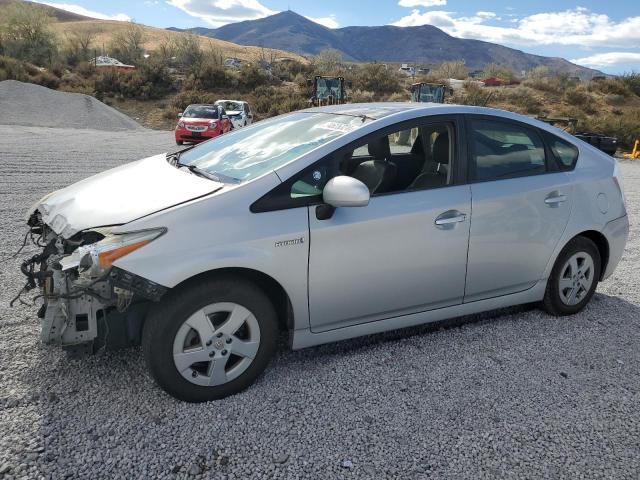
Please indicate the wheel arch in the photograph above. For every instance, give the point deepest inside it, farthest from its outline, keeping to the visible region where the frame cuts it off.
(269, 285)
(603, 247)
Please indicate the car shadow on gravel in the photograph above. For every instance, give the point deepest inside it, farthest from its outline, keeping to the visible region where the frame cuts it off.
(96, 374)
(109, 402)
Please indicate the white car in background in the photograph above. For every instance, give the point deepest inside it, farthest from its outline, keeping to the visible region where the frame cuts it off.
(239, 112)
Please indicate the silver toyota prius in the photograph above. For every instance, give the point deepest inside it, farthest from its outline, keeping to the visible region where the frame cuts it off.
(327, 223)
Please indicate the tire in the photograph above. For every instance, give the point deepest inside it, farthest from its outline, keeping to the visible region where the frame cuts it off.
(570, 289)
(169, 342)
(179, 142)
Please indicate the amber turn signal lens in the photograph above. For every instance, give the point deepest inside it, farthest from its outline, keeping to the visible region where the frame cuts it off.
(107, 258)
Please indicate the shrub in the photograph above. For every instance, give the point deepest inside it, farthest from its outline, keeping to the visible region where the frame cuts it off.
(252, 77)
(523, 98)
(211, 77)
(632, 81)
(609, 85)
(361, 96)
(455, 69)
(151, 80)
(577, 96)
(187, 97)
(270, 101)
(375, 77)
(473, 94)
(12, 69)
(615, 99)
(626, 128)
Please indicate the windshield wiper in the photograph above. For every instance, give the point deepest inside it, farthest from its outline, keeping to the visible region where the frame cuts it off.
(216, 177)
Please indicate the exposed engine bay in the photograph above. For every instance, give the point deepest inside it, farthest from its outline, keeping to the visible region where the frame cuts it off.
(88, 303)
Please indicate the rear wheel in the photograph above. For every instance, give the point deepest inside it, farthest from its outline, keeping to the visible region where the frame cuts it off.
(574, 278)
(211, 339)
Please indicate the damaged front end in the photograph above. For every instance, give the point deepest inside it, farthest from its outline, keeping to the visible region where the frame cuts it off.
(88, 303)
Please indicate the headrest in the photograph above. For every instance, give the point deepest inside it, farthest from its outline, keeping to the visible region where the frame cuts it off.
(379, 148)
(441, 148)
(417, 148)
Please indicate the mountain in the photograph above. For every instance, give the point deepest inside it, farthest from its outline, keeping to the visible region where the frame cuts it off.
(424, 44)
(105, 30)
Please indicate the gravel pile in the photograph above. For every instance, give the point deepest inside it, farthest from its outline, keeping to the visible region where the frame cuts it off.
(34, 105)
(513, 394)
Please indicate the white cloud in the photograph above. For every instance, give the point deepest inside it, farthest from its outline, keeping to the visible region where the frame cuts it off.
(570, 27)
(329, 22)
(221, 12)
(603, 60)
(421, 3)
(70, 7)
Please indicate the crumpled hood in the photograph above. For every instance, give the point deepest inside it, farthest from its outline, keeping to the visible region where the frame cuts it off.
(120, 195)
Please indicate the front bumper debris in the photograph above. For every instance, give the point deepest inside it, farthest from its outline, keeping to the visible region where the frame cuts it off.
(85, 308)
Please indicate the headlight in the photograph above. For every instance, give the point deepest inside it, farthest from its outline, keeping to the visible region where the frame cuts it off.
(100, 256)
(113, 246)
(213, 124)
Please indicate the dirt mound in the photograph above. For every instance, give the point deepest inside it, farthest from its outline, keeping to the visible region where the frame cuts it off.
(33, 105)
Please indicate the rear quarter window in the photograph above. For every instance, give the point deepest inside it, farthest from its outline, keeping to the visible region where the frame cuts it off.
(565, 153)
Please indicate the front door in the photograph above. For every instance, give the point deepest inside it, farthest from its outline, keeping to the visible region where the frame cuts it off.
(405, 252)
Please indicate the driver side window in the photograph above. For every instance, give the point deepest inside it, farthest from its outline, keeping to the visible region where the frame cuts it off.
(412, 158)
(403, 160)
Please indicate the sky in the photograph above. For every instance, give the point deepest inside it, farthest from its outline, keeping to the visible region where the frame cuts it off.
(597, 34)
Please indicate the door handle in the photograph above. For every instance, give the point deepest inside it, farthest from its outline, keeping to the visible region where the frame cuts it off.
(554, 199)
(449, 218)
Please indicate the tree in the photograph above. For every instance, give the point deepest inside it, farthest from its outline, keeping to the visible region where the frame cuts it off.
(189, 53)
(26, 34)
(455, 69)
(498, 71)
(167, 50)
(127, 44)
(78, 45)
(329, 61)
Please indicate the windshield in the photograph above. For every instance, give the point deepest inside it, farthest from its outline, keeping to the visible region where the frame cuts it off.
(201, 111)
(230, 106)
(251, 151)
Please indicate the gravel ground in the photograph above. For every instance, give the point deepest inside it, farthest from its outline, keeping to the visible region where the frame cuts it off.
(515, 393)
(34, 105)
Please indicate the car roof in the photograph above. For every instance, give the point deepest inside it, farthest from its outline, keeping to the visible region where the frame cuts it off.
(234, 101)
(380, 110)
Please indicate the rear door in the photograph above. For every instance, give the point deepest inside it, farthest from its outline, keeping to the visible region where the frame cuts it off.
(520, 207)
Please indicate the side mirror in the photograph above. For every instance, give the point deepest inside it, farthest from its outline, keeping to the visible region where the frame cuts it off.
(179, 115)
(343, 191)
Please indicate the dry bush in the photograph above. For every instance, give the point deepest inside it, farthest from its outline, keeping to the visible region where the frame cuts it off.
(374, 77)
(626, 127)
(523, 98)
(361, 96)
(615, 99)
(610, 85)
(632, 81)
(577, 96)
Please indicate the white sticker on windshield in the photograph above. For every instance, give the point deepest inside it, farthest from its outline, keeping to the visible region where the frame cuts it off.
(336, 126)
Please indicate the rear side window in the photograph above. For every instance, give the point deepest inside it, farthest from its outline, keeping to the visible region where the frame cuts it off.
(504, 150)
(565, 153)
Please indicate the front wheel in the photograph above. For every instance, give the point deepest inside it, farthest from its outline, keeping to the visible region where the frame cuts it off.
(211, 339)
(574, 278)
(179, 142)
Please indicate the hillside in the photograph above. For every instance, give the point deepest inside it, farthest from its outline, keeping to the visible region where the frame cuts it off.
(106, 29)
(426, 43)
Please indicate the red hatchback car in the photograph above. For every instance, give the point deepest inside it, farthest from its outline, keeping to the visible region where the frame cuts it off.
(201, 122)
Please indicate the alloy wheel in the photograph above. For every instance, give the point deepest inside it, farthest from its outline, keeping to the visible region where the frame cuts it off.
(216, 344)
(576, 278)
